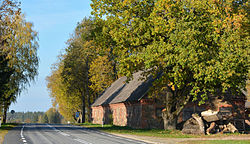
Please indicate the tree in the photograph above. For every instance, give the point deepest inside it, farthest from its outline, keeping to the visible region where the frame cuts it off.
(101, 74)
(193, 48)
(67, 104)
(45, 119)
(18, 52)
(53, 116)
(84, 67)
(35, 117)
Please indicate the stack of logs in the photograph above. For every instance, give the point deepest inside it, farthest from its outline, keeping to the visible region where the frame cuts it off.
(209, 122)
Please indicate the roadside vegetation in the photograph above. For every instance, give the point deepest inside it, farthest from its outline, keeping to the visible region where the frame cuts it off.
(218, 142)
(140, 132)
(175, 134)
(4, 130)
(151, 132)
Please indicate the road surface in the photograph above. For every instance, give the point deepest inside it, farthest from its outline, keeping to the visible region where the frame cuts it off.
(62, 134)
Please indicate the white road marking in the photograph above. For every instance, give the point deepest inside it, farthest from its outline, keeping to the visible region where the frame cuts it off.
(62, 133)
(24, 141)
(22, 131)
(82, 141)
(65, 134)
(101, 133)
(117, 137)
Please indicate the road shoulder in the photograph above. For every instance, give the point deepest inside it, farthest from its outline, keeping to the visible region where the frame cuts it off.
(157, 140)
(13, 136)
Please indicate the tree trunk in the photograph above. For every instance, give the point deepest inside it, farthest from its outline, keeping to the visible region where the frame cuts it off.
(87, 90)
(82, 119)
(5, 114)
(170, 121)
(89, 111)
(168, 116)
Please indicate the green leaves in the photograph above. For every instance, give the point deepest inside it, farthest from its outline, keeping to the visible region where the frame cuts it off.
(85, 70)
(199, 45)
(18, 50)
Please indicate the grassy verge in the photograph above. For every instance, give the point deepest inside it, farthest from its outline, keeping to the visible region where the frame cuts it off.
(153, 132)
(218, 142)
(4, 130)
(140, 132)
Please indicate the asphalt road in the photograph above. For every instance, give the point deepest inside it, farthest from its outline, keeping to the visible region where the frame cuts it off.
(62, 134)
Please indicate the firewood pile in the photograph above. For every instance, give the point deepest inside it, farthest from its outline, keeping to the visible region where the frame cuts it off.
(210, 122)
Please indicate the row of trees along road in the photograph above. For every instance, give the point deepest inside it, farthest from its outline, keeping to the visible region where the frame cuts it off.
(83, 72)
(18, 53)
(193, 48)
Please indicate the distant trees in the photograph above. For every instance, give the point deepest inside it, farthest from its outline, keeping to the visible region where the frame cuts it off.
(18, 117)
(18, 53)
(54, 116)
(50, 116)
(45, 119)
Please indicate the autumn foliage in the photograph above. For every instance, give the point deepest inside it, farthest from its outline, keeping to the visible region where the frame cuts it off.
(193, 49)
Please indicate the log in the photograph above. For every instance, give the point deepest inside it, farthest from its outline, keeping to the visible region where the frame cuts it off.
(247, 122)
(229, 128)
(211, 128)
(194, 125)
(210, 115)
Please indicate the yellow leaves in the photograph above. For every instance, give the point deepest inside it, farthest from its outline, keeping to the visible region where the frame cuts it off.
(125, 2)
(101, 73)
(172, 86)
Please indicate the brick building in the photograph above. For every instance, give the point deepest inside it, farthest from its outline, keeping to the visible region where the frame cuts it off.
(126, 104)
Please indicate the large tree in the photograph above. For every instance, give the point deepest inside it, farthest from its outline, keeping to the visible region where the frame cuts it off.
(193, 48)
(67, 104)
(69, 82)
(18, 52)
(83, 72)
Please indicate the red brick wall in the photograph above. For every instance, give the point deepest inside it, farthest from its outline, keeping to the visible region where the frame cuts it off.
(119, 114)
(137, 114)
(134, 114)
(150, 117)
(97, 115)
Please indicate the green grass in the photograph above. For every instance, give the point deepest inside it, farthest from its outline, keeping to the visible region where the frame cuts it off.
(219, 142)
(152, 132)
(4, 130)
(140, 132)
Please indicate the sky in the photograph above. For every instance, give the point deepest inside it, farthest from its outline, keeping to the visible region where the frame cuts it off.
(54, 20)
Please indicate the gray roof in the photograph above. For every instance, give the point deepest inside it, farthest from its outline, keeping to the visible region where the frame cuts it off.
(120, 91)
